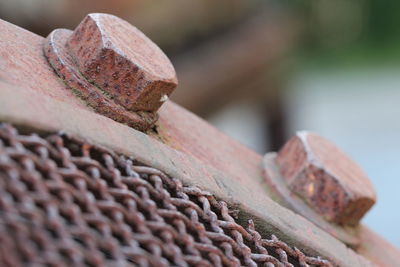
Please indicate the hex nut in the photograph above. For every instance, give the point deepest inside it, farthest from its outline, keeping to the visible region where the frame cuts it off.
(119, 59)
(325, 178)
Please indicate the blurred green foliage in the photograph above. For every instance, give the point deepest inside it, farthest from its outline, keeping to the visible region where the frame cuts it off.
(383, 21)
(350, 32)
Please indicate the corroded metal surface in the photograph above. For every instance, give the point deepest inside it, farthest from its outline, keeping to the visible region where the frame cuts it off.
(33, 111)
(114, 68)
(22, 64)
(38, 99)
(284, 196)
(64, 201)
(194, 136)
(64, 65)
(327, 179)
(379, 251)
(122, 61)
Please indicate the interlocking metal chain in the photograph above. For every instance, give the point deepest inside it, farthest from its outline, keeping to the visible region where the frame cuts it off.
(67, 202)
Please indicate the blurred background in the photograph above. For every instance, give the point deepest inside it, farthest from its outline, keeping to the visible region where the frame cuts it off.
(260, 70)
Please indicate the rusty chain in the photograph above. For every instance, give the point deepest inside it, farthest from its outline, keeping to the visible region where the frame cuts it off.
(67, 202)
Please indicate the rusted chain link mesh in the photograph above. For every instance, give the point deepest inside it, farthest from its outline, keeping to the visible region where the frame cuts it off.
(65, 202)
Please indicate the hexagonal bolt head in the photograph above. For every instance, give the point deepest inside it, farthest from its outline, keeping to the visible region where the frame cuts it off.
(325, 178)
(119, 59)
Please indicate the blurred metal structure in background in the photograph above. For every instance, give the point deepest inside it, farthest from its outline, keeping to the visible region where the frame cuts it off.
(175, 193)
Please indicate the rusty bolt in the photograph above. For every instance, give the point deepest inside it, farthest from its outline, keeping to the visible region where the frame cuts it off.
(119, 59)
(325, 178)
(114, 68)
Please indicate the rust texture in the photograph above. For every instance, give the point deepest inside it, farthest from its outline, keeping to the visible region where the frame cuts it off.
(64, 201)
(121, 60)
(22, 64)
(280, 192)
(33, 97)
(64, 65)
(327, 179)
(114, 67)
(380, 251)
(35, 111)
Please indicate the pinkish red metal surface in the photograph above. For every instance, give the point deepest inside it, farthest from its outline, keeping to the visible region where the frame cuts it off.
(31, 111)
(184, 131)
(193, 150)
(139, 79)
(65, 67)
(105, 209)
(96, 62)
(377, 249)
(281, 193)
(23, 64)
(325, 178)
